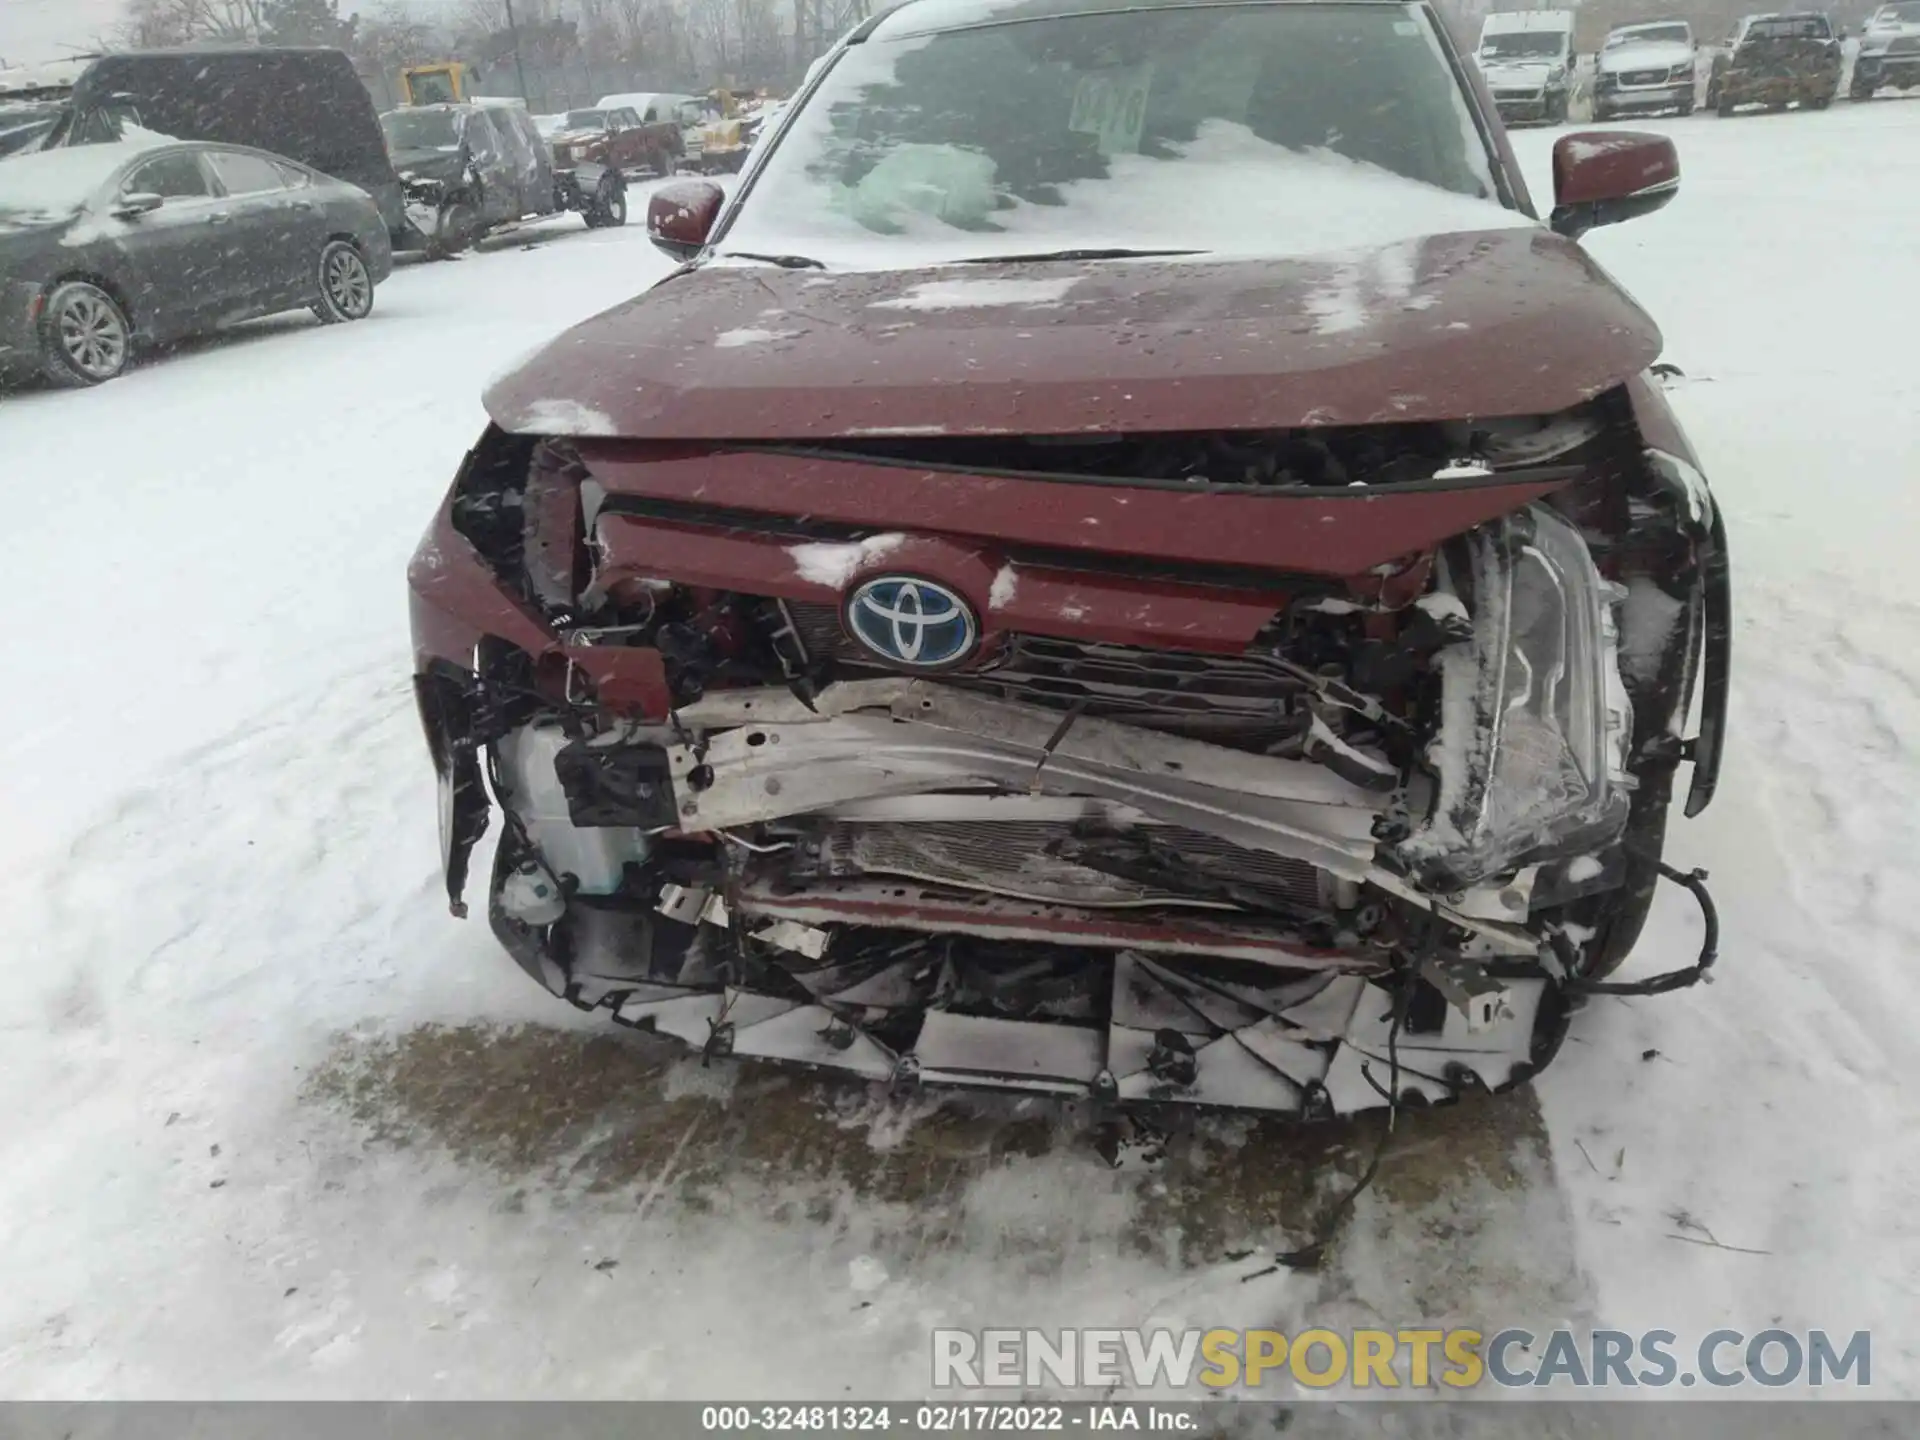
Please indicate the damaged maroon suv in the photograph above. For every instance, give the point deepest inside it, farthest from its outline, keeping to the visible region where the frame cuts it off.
(1126, 562)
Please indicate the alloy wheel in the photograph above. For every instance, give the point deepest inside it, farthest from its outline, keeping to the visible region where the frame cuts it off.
(349, 286)
(92, 334)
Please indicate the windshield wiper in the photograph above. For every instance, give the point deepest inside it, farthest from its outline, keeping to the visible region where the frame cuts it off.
(785, 262)
(1113, 254)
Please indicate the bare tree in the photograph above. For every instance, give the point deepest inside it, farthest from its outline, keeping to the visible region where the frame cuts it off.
(394, 35)
(711, 31)
(176, 22)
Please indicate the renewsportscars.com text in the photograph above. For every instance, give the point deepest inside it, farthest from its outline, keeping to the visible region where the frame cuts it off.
(1415, 1358)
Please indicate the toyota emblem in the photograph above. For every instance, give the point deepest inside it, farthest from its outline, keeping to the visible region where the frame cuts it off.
(912, 624)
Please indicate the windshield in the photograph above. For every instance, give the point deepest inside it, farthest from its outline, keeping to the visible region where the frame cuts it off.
(586, 120)
(1248, 129)
(1647, 34)
(1524, 45)
(421, 130)
(1906, 13)
(1788, 27)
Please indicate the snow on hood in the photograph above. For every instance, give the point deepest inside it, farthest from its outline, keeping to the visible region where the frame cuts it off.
(1492, 322)
(1645, 55)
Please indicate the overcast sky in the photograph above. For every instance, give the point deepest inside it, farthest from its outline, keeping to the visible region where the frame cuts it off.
(36, 30)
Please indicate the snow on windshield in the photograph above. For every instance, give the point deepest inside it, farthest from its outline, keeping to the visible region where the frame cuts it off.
(1524, 45)
(1256, 130)
(52, 184)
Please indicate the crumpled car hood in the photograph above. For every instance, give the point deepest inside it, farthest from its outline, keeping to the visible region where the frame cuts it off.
(1500, 322)
(1653, 55)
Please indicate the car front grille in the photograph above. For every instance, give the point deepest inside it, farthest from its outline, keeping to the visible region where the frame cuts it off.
(1248, 700)
(1905, 45)
(1643, 77)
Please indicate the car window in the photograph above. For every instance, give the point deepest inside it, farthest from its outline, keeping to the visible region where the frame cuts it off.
(292, 176)
(1789, 27)
(1523, 45)
(480, 137)
(625, 119)
(174, 177)
(421, 130)
(245, 174)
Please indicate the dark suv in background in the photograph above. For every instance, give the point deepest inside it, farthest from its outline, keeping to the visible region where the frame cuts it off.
(305, 104)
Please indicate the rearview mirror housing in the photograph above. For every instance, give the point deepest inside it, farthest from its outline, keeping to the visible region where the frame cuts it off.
(680, 217)
(1604, 177)
(132, 207)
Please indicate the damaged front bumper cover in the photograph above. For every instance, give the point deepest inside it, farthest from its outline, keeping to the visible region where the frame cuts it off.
(1207, 1007)
(1123, 994)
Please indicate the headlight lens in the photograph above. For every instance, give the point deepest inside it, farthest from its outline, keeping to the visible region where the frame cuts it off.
(1681, 72)
(1531, 755)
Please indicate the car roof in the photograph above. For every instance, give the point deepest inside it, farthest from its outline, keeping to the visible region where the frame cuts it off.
(103, 160)
(1647, 25)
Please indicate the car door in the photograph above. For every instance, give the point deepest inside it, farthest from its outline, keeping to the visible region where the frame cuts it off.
(173, 256)
(628, 147)
(274, 234)
(500, 187)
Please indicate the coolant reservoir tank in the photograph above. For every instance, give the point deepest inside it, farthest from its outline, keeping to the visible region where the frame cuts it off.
(595, 857)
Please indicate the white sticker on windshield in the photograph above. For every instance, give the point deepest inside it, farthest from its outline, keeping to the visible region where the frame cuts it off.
(1112, 107)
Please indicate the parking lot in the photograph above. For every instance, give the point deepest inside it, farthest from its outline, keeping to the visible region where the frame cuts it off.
(276, 1125)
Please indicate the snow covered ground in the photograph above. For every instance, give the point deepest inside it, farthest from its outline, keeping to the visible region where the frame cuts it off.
(272, 1124)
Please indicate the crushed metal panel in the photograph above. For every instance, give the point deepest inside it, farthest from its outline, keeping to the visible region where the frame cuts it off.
(971, 1047)
(1218, 1012)
(1225, 1073)
(1284, 1048)
(1349, 1090)
(1327, 1014)
(797, 769)
(1511, 1034)
(1129, 748)
(904, 906)
(1141, 1002)
(686, 1017)
(805, 1035)
(775, 705)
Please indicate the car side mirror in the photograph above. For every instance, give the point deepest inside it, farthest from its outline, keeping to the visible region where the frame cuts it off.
(1604, 177)
(680, 216)
(132, 207)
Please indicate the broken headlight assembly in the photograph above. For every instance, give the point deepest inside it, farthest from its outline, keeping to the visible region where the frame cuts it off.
(1530, 754)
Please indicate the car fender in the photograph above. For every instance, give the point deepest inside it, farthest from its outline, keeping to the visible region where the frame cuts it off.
(588, 174)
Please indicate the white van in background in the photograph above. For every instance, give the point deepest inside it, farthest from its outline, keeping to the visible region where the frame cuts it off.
(1527, 57)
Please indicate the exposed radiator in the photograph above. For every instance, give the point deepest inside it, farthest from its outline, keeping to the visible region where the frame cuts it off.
(1245, 700)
